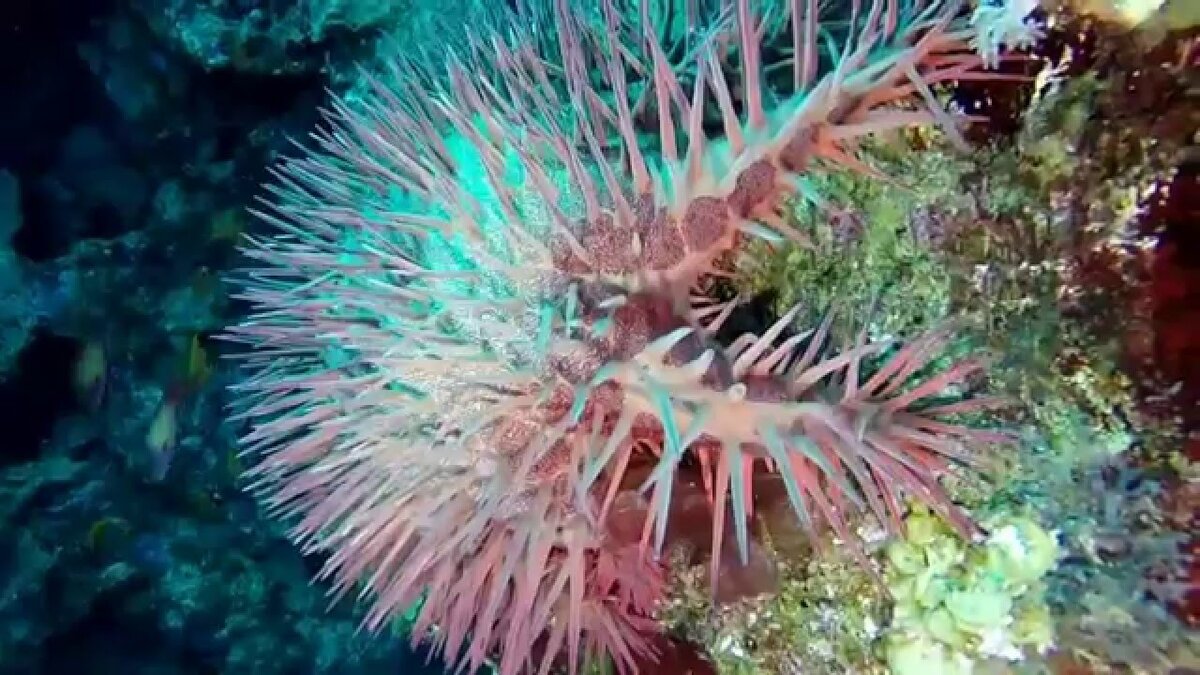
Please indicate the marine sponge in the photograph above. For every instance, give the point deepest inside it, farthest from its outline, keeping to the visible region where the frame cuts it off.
(475, 314)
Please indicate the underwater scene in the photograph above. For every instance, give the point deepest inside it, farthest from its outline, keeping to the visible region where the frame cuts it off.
(600, 337)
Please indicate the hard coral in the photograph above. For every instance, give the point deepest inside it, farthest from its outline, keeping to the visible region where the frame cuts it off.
(474, 314)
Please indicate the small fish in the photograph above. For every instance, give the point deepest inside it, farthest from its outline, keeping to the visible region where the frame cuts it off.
(197, 367)
(162, 437)
(91, 374)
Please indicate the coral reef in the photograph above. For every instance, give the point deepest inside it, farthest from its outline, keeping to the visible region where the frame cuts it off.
(267, 37)
(1055, 230)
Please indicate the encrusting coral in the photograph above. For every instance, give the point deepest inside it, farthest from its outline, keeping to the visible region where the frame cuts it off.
(481, 308)
(957, 603)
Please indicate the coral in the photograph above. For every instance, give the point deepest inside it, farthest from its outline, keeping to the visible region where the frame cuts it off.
(1001, 24)
(1127, 558)
(474, 322)
(1033, 244)
(265, 37)
(1033, 212)
(958, 604)
(823, 620)
(894, 263)
(19, 310)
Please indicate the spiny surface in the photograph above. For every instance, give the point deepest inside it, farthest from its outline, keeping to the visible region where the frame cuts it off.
(480, 302)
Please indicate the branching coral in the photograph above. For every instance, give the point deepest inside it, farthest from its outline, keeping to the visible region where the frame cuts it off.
(475, 314)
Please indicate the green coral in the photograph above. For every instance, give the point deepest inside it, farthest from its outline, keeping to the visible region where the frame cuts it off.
(958, 603)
